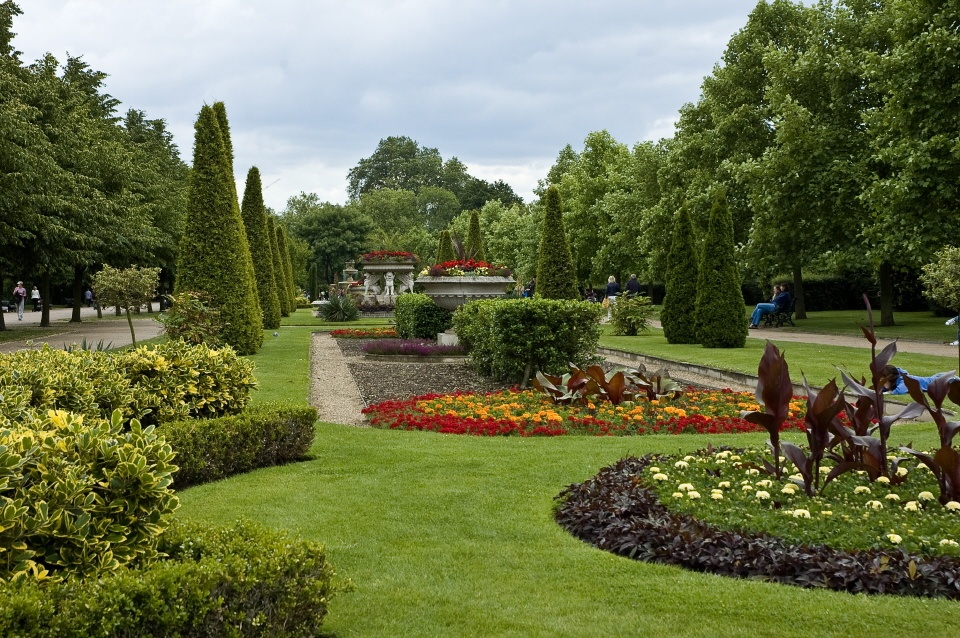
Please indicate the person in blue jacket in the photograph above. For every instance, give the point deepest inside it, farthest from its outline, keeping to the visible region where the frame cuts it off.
(892, 380)
(781, 301)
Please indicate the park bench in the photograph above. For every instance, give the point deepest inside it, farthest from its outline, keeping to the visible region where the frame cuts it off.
(779, 317)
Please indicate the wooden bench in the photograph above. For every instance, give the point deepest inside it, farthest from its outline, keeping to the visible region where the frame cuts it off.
(779, 317)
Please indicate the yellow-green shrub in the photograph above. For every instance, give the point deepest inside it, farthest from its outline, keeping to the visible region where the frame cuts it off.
(176, 380)
(83, 382)
(81, 495)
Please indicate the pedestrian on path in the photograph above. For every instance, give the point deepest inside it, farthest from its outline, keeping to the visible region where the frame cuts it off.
(35, 299)
(19, 294)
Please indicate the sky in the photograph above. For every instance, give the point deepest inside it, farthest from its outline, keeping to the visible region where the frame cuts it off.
(312, 86)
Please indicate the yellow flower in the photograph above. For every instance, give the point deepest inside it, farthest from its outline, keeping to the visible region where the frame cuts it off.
(762, 495)
(685, 487)
(717, 496)
(790, 488)
(896, 539)
(801, 514)
(882, 479)
(765, 483)
(952, 505)
(678, 495)
(826, 513)
(747, 488)
(653, 469)
(681, 464)
(723, 484)
(950, 542)
(925, 496)
(660, 477)
(892, 497)
(693, 494)
(861, 489)
(911, 506)
(877, 505)
(902, 471)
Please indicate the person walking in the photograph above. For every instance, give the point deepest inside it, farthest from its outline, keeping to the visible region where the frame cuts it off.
(35, 299)
(613, 289)
(19, 294)
(633, 286)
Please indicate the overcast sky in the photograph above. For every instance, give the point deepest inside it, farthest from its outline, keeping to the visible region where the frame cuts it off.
(311, 86)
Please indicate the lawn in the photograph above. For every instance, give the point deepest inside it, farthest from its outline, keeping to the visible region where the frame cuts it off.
(918, 326)
(819, 362)
(446, 535)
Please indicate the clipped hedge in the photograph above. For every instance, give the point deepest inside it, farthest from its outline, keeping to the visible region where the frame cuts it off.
(614, 512)
(263, 435)
(417, 317)
(511, 339)
(223, 582)
(169, 381)
(81, 496)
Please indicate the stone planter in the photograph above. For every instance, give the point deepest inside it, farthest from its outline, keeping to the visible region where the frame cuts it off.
(378, 276)
(453, 292)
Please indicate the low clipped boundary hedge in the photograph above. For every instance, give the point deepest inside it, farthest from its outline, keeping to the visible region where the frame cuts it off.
(243, 580)
(613, 512)
(417, 317)
(261, 436)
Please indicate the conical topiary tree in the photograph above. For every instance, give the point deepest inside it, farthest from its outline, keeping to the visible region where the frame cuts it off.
(474, 247)
(556, 275)
(720, 315)
(279, 272)
(255, 222)
(312, 280)
(445, 251)
(287, 267)
(680, 300)
(214, 254)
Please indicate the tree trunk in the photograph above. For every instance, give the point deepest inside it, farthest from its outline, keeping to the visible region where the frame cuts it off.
(77, 292)
(45, 295)
(800, 309)
(886, 294)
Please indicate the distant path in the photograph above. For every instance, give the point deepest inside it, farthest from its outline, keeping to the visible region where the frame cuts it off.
(113, 331)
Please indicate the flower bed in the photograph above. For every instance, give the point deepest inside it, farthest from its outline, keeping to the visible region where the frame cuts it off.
(411, 348)
(620, 510)
(466, 268)
(364, 333)
(387, 255)
(529, 413)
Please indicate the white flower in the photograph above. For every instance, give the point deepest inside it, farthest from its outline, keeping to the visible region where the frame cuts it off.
(735, 457)
(882, 479)
(693, 494)
(789, 488)
(685, 487)
(826, 513)
(902, 471)
(717, 496)
(796, 477)
(723, 484)
(747, 488)
(950, 542)
(753, 471)
(653, 469)
(688, 458)
(677, 495)
(861, 489)
(825, 470)
(716, 491)
(765, 483)
(892, 497)
(660, 477)
(925, 496)
(801, 514)
(952, 505)
(722, 455)
(877, 505)
(911, 506)
(681, 464)
(896, 539)
(762, 495)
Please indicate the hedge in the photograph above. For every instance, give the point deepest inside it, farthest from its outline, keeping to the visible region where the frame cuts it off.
(511, 339)
(263, 435)
(223, 582)
(417, 317)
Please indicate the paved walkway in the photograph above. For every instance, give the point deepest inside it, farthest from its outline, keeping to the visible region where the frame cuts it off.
(112, 330)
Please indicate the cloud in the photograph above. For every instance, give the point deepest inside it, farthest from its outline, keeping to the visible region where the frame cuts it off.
(311, 87)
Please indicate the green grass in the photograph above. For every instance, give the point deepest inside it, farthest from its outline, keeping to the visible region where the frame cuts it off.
(282, 367)
(22, 333)
(305, 317)
(453, 536)
(918, 326)
(819, 362)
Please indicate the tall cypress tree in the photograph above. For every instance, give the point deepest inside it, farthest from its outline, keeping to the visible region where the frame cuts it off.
(255, 222)
(287, 268)
(556, 276)
(680, 300)
(279, 272)
(214, 254)
(720, 315)
(312, 280)
(445, 251)
(474, 248)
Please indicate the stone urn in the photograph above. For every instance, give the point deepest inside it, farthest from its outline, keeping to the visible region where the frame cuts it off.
(451, 292)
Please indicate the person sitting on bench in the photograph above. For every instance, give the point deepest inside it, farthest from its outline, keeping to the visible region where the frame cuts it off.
(780, 302)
